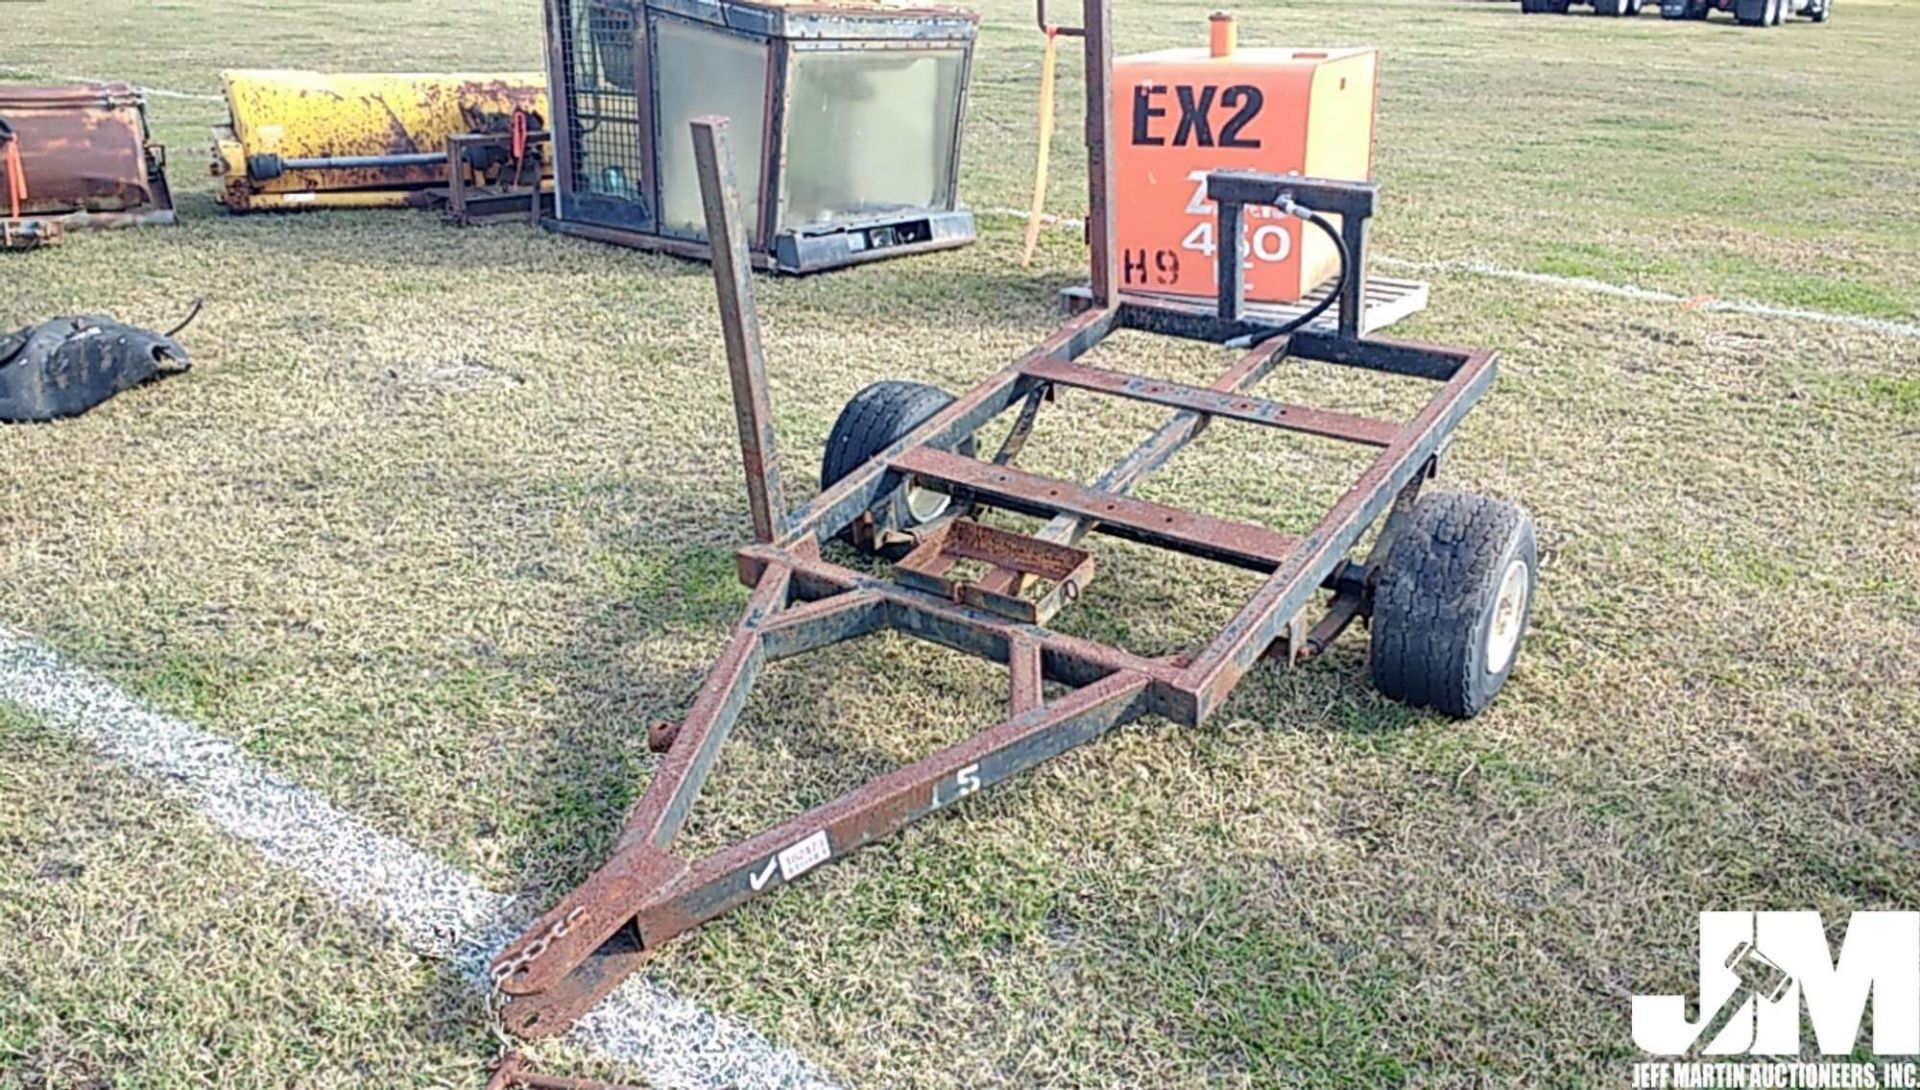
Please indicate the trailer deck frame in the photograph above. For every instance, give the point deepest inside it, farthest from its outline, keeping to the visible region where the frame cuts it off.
(802, 602)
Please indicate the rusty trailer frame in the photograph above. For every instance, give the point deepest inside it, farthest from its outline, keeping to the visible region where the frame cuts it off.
(801, 602)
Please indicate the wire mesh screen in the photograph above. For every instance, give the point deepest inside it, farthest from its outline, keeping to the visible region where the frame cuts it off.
(597, 44)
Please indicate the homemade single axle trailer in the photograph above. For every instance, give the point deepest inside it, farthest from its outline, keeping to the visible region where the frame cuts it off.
(1447, 584)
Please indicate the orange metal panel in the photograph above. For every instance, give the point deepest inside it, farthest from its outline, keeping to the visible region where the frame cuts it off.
(1184, 112)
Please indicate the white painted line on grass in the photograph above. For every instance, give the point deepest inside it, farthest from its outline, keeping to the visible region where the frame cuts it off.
(1628, 291)
(1064, 223)
(1582, 283)
(438, 910)
(150, 92)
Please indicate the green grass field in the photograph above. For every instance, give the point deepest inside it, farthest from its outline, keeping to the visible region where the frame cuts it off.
(442, 518)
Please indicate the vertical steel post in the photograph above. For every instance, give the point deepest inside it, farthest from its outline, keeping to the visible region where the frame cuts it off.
(1228, 217)
(746, 361)
(456, 184)
(1353, 295)
(561, 99)
(1098, 25)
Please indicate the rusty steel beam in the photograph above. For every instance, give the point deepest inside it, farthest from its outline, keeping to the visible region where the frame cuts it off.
(1393, 355)
(1281, 598)
(1341, 612)
(1237, 543)
(661, 897)
(1070, 660)
(810, 626)
(1025, 680)
(746, 358)
(660, 813)
(1181, 428)
(1167, 440)
(725, 879)
(1153, 452)
(1096, 21)
(837, 506)
(1235, 406)
(1017, 557)
(658, 816)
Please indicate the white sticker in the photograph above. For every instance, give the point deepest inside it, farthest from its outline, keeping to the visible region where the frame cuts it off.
(804, 856)
(302, 197)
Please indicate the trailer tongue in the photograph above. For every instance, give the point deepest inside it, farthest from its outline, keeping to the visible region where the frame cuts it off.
(1447, 584)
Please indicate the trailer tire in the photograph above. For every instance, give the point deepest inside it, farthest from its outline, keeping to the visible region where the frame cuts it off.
(1820, 11)
(1557, 7)
(1451, 607)
(873, 420)
(1750, 12)
(1610, 7)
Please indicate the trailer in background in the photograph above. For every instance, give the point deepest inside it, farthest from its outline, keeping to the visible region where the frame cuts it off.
(1749, 12)
(1600, 7)
(1745, 12)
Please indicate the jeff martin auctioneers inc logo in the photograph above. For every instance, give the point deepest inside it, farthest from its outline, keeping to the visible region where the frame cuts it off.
(1758, 972)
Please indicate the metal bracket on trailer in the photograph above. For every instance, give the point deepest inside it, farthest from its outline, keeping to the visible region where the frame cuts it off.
(645, 894)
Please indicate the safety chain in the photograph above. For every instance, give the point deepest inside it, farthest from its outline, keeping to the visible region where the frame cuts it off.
(497, 999)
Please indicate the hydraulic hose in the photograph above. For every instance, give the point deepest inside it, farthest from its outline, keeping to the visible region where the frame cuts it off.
(1327, 228)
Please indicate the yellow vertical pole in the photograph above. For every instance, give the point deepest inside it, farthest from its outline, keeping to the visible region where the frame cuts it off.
(1046, 146)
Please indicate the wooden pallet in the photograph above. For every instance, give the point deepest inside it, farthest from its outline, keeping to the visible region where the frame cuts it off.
(1389, 299)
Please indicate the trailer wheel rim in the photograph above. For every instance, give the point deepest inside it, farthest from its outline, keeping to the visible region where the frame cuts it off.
(925, 504)
(1509, 613)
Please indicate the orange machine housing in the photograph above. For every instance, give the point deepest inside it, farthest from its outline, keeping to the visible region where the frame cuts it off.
(1184, 112)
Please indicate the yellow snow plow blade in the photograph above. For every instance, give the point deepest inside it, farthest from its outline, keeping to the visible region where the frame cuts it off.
(297, 139)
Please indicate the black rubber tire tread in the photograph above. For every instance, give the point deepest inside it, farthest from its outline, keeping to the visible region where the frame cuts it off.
(873, 420)
(870, 422)
(1750, 12)
(1610, 7)
(1436, 596)
(1821, 10)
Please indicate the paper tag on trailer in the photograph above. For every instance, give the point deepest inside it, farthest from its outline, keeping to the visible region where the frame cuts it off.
(804, 856)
